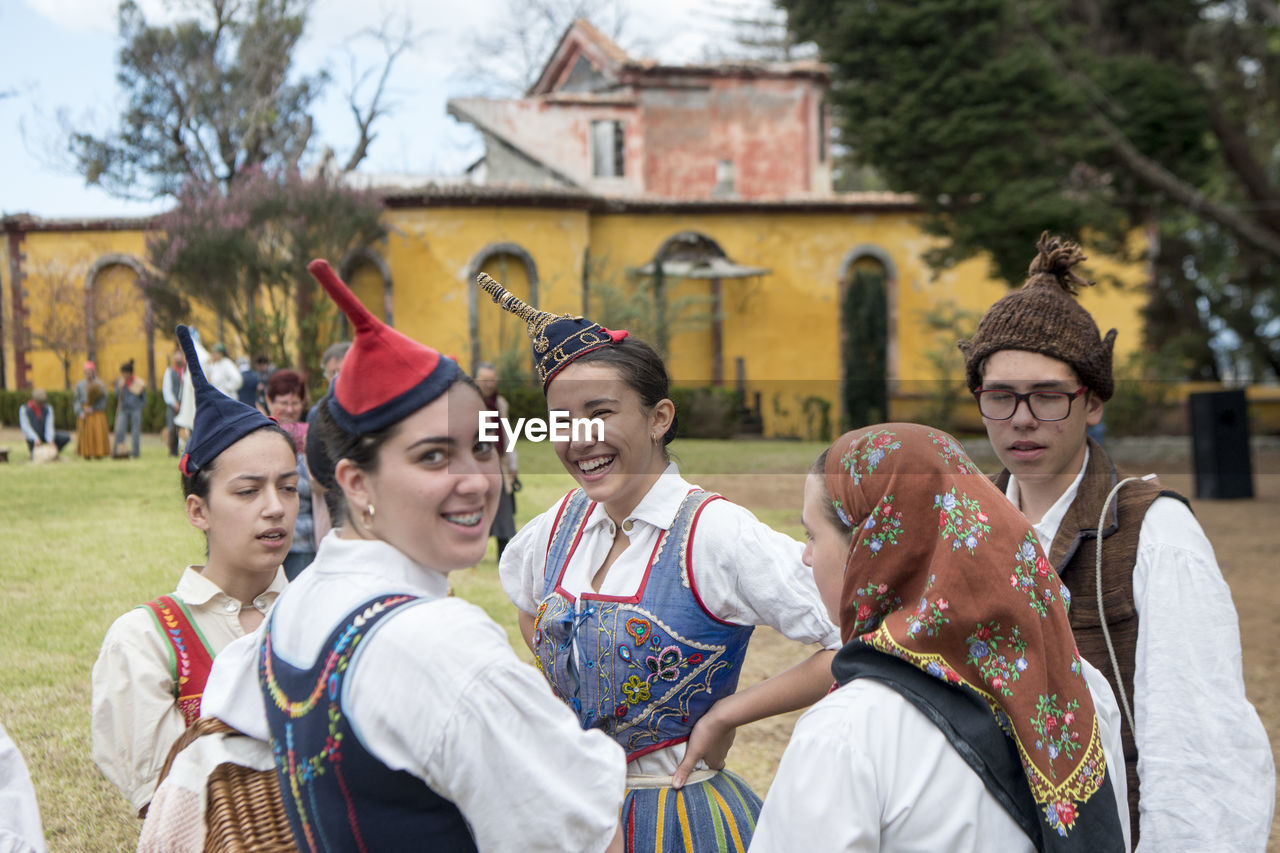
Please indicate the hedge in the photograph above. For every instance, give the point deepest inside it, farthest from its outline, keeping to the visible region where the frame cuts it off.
(64, 416)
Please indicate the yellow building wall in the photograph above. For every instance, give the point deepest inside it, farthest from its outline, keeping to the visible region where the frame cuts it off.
(784, 325)
(431, 252)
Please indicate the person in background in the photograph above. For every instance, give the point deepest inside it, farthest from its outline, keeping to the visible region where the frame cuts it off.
(264, 368)
(223, 373)
(504, 523)
(35, 419)
(248, 392)
(92, 439)
(324, 490)
(239, 478)
(1162, 628)
(131, 396)
(286, 401)
(171, 390)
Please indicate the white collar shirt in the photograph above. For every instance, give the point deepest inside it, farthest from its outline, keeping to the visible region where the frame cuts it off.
(134, 717)
(867, 772)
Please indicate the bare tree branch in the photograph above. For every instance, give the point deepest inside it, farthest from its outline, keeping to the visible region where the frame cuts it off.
(395, 41)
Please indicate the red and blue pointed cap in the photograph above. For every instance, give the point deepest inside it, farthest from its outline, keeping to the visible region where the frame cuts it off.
(220, 420)
(385, 376)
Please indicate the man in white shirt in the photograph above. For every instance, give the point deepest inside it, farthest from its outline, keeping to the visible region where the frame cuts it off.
(1201, 773)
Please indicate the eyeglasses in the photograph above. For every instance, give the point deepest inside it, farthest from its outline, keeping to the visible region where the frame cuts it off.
(1000, 405)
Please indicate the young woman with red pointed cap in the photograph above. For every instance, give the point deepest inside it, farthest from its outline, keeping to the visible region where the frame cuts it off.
(965, 719)
(241, 485)
(399, 717)
(638, 593)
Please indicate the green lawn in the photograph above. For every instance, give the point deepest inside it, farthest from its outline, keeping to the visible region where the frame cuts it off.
(85, 541)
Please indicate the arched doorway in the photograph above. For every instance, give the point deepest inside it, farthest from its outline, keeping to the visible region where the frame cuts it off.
(497, 336)
(367, 274)
(112, 293)
(866, 284)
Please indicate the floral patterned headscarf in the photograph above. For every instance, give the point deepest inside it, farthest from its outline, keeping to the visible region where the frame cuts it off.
(944, 573)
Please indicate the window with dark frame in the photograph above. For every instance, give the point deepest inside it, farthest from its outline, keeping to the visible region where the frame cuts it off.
(608, 149)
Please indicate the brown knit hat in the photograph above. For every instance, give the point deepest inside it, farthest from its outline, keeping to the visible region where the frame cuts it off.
(1043, 316)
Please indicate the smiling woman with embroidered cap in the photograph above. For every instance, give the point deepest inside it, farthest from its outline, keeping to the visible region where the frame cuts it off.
(400, 718)
(240, 483)
(965, 719)
(640, 625)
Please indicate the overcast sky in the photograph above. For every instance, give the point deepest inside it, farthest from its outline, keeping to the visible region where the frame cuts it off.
(59, 59)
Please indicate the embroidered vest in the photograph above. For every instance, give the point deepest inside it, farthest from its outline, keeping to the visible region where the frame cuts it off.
(190, 657)
(36, 418)
(1074, 554)
(337, 795)
(643, 668)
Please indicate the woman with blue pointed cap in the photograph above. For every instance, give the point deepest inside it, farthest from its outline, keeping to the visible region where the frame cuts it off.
(241, 485)
(399, 717)
(639, 591)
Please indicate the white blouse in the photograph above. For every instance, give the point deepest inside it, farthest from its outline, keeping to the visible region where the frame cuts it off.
(437, 691)
(135, 717)
(867, 772)
(745, 572)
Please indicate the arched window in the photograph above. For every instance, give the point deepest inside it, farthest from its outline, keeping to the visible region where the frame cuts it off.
(117, 315)
(497, 336)
(867, 299)
(367, 274)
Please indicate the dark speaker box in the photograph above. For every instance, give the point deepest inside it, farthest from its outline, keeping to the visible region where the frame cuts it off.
(1220, 445)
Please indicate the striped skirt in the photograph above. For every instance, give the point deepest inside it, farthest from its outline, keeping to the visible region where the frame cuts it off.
(718, 814)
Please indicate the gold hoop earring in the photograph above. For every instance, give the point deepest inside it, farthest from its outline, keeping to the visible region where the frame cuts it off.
(367, 518)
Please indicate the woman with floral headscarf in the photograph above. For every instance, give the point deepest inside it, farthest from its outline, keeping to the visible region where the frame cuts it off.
(963, 718)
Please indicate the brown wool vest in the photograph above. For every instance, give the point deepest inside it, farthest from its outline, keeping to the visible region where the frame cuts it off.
(1074, 553)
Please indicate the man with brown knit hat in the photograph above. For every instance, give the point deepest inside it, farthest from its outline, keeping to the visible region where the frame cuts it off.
(1200, 770)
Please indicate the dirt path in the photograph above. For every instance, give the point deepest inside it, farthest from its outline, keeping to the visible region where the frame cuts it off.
(1245, 536)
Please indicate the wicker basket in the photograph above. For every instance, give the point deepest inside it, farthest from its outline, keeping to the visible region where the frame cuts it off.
(243, 810)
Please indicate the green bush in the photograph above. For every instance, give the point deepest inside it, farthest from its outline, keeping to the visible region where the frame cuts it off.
(705, 412)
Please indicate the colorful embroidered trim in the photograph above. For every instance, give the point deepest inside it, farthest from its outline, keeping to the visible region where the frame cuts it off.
(191, 658)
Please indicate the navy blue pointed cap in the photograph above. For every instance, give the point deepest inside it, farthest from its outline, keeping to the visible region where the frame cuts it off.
(386, 376)
(557, 338)
(220, 420)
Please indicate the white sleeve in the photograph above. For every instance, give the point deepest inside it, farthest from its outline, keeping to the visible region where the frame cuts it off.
(20, 829)
(166, 391)
(135, 718)
(748, 573)
(524, 561)
(24, 423)
(824, 797)
(1204, 761)
(493, 739)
